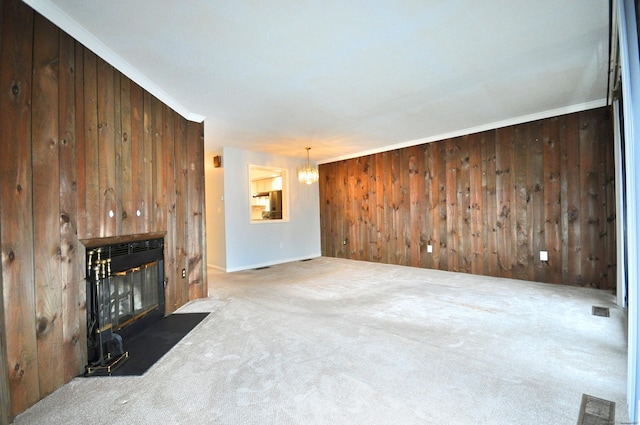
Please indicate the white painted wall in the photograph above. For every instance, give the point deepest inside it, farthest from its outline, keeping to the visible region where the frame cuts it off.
(244, 245)
(214, 201)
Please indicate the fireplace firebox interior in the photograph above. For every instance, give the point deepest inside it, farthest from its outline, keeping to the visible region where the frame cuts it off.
(125, 294)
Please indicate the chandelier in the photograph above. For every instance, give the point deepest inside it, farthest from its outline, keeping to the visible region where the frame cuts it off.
(308, 174)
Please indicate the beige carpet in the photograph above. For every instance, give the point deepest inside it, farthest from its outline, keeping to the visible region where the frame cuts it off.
(332, 341)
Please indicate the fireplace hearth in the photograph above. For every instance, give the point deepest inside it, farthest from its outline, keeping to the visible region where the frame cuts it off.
(125, 295)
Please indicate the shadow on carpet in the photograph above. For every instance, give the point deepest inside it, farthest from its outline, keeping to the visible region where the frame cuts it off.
(146, 348)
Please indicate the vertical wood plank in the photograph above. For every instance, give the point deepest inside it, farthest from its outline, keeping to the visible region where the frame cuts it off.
(572, 208)
(441, 155)
(146, 191)
(521, 159)
(117, 142)
(46, 191)
(416, 196)
(504, 196)
(80, 145)
(464, 206)
(92, 204)
(536, 211)
(159, 184)
(16, 212)
(381, 211)
(71, 250)
(195, 217)
(477, 182)
(127, 212)
(552, 199)
(5, 394)
(182, 295)
(168, 143)
(589, 201)
(453, 207)
(610, 189)
(137, 159)
(106, 149)
(491, 203)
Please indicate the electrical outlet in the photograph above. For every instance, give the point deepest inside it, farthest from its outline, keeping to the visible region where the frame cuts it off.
(184, 273)
(429, 248)
(544, 256)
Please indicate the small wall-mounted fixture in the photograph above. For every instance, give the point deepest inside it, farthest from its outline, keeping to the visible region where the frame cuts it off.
(544, 256)
(217, 161)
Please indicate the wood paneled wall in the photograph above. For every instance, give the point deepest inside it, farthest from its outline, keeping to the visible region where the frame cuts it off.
(82, 149)
(487, 203)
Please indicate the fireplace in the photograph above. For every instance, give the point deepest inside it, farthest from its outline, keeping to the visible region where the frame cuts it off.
(125, 294)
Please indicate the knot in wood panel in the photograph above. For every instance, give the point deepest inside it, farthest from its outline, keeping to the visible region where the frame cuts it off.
(18, 371)
(15, 88)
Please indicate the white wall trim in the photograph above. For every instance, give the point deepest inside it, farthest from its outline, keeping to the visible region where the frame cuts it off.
(81, 34)
(471, 130)
(214, 267)
(272, 263)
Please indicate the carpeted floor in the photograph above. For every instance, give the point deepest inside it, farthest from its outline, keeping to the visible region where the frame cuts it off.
(333, 341)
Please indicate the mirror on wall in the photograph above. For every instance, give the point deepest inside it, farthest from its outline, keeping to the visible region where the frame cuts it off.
(268, 194)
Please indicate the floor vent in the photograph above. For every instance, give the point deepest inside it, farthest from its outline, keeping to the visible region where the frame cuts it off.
(600, 311)
(596, 411)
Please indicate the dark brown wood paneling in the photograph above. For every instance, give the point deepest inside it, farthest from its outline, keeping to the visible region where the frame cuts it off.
(146, 192)
(182, 294)
(195, 211)
(80, 150)
(159, 169)
(92, 213)
(106, 150)
(71, 250)
(552, 199)
(15, 215)
(488, 203)
(505, 185)
(571, 183)
(171, 277)
(46, 196)
(5, 395)
(74, 146)
(125, 208)
(137, 159)
(536, 212)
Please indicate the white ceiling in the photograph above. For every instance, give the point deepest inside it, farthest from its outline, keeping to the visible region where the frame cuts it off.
(349, 77)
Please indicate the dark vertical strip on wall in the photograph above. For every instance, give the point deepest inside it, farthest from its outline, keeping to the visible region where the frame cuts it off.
(17, 205)
(91, 149)
(487, 203)
(195, 212)
(552, 200)
(182, 295)
(125, 181)
(106, 150)
(46, 196)
(137, 158)
(71, 250)
(168, 139)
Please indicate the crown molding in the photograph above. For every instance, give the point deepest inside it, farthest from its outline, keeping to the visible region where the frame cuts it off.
(471, 130)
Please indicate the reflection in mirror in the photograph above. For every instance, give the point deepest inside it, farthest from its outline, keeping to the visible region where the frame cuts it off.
(268, 194)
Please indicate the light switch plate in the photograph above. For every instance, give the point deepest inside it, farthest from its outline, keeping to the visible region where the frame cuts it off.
(429, 248)
(544, 256)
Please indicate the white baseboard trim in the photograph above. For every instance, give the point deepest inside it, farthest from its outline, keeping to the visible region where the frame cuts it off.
(271, 263)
